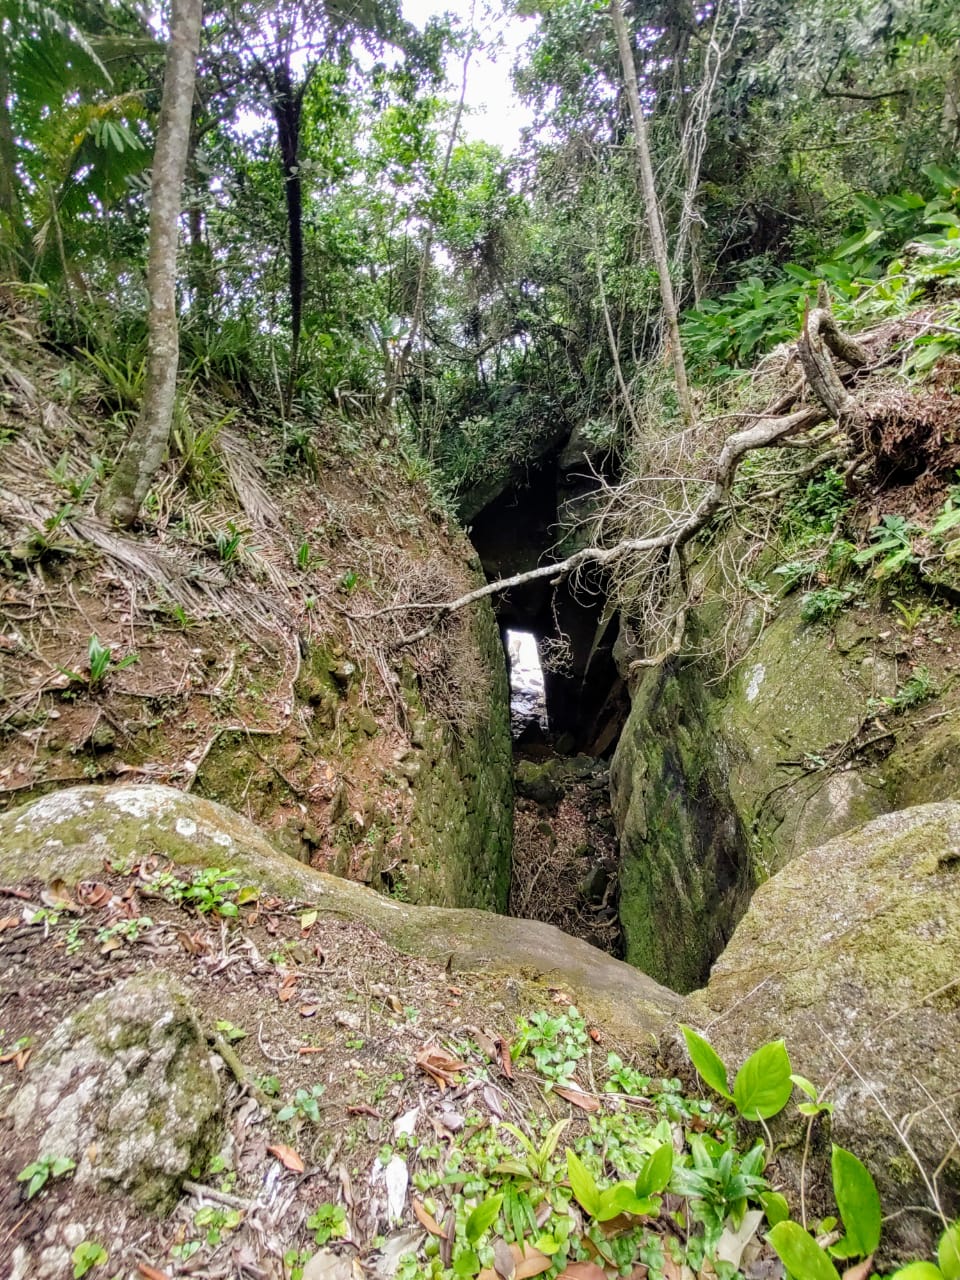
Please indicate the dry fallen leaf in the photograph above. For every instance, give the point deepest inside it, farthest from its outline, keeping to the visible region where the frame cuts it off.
(504, 1262)
(9, 922)
(427, 1220)
(585, 1101)
(57, 896)
(93, 894)
(528, 1262)
(151, 1273)
(285, 990)
(439, 1065)
(308, 1010)
(287, 1157)
(583, 1271)
(594, 1034)
(505, 1057)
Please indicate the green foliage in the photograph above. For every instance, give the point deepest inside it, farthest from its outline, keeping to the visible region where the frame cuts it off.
(100, 661)
(216, 1221)
(823, 604)
(859, 1205)
(37, 1174)
(918, 688)
(210, 891)
(305, 1105)
(87, 1255)
(555, 1042)
(891, 543)
(763, 1084)
(327, 1222)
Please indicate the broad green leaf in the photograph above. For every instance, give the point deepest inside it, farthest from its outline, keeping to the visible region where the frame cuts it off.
(775, 1207)
(707, 1062)
(918, 1271)
(655, 1174)
(763, 1085)
(582, 1184)
(859, 1205)
(621, 1198)
(800, 1253)
(948, 1252)
(483, 1217)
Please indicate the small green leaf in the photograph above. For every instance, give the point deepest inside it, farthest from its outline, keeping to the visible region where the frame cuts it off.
(763, 1085)
(466, 1263)
(800, 1253)
(948, 1252)
(483, 1217)
(655, 1174)
(918, 1271)
(707, 1062)
(775, 1207)
(583, 1185)
(804, 1084)
(859, 1206)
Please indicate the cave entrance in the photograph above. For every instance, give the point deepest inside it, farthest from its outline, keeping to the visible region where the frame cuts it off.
(568, 705)
(528, 694)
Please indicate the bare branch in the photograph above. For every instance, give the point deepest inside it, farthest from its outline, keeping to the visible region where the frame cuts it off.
(765, 433)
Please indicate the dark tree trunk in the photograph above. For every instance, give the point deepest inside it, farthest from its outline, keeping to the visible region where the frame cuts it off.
(10, 214)
(286, 103)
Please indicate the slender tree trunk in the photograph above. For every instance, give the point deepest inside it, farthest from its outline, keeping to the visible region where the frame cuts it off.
(144, 451)
(10, 214)
(658, 239)
(286, 101)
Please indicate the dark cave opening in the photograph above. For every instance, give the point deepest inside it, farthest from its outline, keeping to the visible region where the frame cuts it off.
(586, 698)
(566, 851)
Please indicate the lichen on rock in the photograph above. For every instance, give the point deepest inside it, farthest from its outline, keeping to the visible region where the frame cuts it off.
(127, 1088)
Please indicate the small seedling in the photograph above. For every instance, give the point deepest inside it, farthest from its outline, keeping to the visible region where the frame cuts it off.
(37, 1175)
(305, 1105)
(328, 1222)
(87, 1255)
(216, 1221)
(229, 1031)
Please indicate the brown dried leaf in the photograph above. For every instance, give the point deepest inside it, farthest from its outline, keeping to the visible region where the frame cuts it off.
(308, 1010)
(583, 1271)
(93, 894)
(504, 1057)
(439, 1065)
(427, 1220)
(287, 1157)
(446, 1244)
(285, 989)
(151, 1273)
(57, 896)
(504, 1261)
(585, 1101)
(9, 922)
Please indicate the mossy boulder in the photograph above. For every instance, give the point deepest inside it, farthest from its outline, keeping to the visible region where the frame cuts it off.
(127, 1089)
(69, 833)
(852, 954)
(802, 693)
(685, 869)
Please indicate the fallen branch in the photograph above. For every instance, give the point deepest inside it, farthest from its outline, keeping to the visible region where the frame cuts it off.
(764, 434)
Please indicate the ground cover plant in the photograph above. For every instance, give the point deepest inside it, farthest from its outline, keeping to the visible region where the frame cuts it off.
(415, 1123)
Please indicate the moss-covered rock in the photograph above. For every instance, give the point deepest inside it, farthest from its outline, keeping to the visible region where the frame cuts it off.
(684, 872)
(69, 833)
(127, 1089)
(852, 954)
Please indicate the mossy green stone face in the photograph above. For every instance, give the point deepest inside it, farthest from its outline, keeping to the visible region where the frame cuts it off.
(852, 954)
(685, 869)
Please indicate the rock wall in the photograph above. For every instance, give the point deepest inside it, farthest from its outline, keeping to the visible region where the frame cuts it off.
(719, 782)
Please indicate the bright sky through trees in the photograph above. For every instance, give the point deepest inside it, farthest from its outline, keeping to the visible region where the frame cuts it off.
(494, 112)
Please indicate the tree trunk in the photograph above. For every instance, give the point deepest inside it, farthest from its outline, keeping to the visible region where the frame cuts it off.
(286, 103)
(10, 214)
(658, 239)
(144, 451)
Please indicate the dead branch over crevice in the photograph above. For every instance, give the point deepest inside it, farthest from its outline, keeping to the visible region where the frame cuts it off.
(672, 498)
